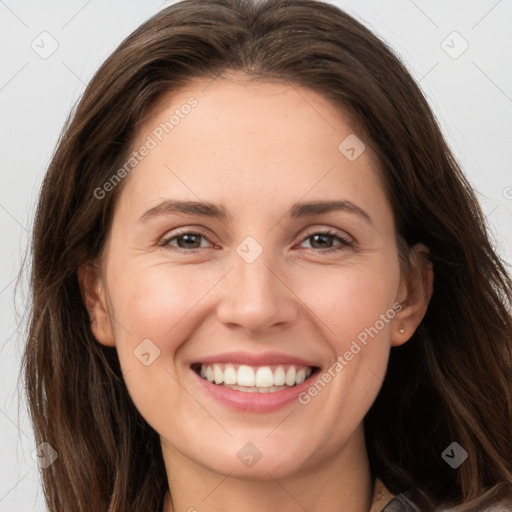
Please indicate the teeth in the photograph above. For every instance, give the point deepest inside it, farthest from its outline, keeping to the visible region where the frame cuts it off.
(245, 376)
(290, 376)
(230, 375)
(218, 374)
(254, 389)
(263, 379)
(279, 376)
(301, 376)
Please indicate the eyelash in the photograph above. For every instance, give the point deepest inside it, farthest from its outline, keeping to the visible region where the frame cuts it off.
(345, 243)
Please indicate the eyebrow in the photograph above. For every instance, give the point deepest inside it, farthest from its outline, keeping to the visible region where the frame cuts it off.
(207, 209)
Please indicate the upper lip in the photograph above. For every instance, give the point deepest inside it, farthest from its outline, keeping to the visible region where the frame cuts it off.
(264, 359)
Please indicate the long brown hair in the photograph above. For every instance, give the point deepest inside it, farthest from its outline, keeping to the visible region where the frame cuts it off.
(451, 382)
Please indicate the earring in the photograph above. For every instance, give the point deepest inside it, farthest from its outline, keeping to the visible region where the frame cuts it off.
(401, 331)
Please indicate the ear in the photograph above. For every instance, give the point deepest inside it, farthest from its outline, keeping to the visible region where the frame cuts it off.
(414, 295)
(93, 294)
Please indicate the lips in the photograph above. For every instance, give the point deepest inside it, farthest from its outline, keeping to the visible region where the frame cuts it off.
(265, 371)
(254, 382)
(250, 401)
(264, 359)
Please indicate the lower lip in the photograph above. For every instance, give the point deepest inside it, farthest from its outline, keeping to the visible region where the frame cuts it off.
(254, 402)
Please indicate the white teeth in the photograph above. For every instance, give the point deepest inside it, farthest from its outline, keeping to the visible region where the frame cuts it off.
(230, 374)
(263, 379)
(279, 376)
(290, 376)
(271, 389)
(301, 376)
(249, 390)
(245, 376)
(218, 374)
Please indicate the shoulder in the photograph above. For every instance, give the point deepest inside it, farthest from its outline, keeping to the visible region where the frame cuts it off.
(504, 505)
(407, 502)
(403, 502)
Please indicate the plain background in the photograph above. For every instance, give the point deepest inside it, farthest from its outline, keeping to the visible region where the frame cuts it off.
(471, 95)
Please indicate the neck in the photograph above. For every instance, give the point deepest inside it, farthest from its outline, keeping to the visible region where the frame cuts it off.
(344, 482)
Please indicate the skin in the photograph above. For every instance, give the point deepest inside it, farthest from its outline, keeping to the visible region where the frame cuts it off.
(255, 148)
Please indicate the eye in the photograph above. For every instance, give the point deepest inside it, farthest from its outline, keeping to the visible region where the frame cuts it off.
(190, 241)
(186, 241)
(322, 238)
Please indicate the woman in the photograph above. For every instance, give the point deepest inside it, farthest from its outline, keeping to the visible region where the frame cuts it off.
(258, 369)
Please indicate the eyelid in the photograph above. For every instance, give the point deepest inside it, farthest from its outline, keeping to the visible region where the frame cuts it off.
(165, 239)
(346, 239)
(328, 230)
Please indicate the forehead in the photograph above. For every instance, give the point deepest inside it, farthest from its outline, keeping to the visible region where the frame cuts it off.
(234, 138)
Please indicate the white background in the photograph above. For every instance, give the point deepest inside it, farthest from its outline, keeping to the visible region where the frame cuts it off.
(471, 96)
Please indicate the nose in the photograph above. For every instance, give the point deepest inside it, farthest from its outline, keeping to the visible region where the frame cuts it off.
(256, 296)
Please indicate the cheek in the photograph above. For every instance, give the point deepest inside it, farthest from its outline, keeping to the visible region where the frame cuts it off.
(349, 300)
(152, 302)
(354, 308)
(160, 302)
(155, 311)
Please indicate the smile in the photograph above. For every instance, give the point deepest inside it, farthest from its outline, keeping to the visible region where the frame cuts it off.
(254, 379)
(252, 387)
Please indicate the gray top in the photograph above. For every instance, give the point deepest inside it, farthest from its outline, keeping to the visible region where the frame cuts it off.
(404, 502)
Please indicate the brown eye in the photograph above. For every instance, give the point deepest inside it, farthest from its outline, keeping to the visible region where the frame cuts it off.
(323, 240)
(187, 241)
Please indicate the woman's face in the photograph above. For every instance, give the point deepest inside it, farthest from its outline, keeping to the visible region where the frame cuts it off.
(251, 281)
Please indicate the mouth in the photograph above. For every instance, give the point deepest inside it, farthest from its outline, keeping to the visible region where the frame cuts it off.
(250, 382)
(254, 379)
